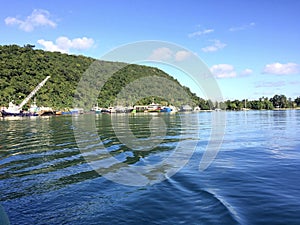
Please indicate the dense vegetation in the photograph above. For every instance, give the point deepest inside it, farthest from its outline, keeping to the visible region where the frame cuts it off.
(23, 68)
(277, 101)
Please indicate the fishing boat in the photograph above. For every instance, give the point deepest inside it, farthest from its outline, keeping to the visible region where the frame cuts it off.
(186, 108)
(122, 109)
(153, 107)
(166, 109)
(112, 109)
(46, 111)
(16, 110)
(96, 109)
(140, 108)
(197, 109)
(77, 111)
(105, 110)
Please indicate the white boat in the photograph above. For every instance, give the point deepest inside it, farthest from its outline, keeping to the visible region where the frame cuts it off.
(12, 109)
(197, 109)
(112, 109)
(96, 109)
(77, 111)
(153, 107)
(140, 108)
(173, 108)
(186, 108)
(122, 109)
(16, 110)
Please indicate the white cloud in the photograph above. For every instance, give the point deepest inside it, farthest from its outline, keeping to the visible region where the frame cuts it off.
(243, 27)
(282, 69)
(166, 54)
(38, 17)
(228, 71)
(217, 45)
(50, 46)
(182, 55)
(199, 33)
(272, 84)
(82, 43)
(160, 54)
(246, 72)
(223, 71)
(64, 44)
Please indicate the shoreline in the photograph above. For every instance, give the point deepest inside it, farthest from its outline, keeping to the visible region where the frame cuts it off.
(91, 112)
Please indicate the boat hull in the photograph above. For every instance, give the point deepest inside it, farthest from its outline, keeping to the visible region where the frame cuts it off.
(22, 114)
(166, 109)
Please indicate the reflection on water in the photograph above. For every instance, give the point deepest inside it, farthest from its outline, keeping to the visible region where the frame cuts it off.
(45, 179)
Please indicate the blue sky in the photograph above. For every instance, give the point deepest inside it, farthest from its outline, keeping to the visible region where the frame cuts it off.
(251, 47)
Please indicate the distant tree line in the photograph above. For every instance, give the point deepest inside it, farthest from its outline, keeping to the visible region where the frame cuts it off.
(276, 102)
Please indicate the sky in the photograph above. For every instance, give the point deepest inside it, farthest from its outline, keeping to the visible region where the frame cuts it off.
(252, 48)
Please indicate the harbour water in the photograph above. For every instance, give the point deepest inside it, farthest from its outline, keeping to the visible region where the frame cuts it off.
(254, 179)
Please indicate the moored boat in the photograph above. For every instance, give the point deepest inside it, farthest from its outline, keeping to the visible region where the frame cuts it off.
(96, 109)
(153, 107)
(140, 108)
(16, 110)
(186, 108)
(105, 110)
(77, 111)
(166, 109)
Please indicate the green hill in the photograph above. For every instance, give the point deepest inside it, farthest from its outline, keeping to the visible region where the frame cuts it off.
(23, 68)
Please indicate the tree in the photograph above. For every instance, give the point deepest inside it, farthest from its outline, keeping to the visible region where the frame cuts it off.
(297, 101)
(279, 101)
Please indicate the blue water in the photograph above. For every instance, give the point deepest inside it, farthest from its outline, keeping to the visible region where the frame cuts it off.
(45, 179)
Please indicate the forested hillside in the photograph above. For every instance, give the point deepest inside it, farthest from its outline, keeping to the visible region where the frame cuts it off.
(22, 68)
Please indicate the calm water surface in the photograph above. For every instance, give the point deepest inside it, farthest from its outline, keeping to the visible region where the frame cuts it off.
(255, 178)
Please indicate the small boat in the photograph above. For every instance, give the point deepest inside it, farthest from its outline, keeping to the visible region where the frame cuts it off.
(96, 109)
(140, 108)
(153, 107)
(197, 109)
(122, 109)
(45, 111)
(105, 110)
(74, 111)
(166, 109)
(173, 108)
(58, 113)
(66, 113)
(77, 111)
(186, 108)
(112, 109)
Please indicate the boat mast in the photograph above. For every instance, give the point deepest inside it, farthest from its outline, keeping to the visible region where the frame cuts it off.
(33, 93)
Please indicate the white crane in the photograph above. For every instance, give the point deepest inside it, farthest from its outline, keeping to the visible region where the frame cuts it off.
(33, 92)
(12, 108)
